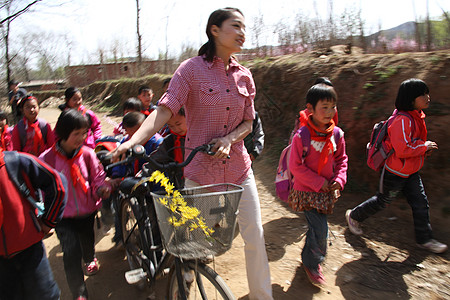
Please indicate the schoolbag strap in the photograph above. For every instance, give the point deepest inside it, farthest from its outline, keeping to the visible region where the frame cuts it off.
(12, 161)
(23, 133)
(305, 135)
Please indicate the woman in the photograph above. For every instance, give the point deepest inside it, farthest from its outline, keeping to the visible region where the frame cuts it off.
(217, 93)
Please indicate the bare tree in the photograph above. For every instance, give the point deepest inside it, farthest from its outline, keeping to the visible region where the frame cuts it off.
(428, 40)
(9, 13)
(257, 30)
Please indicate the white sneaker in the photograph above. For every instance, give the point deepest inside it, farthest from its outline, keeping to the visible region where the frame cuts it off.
(434, 246)
(353, 225)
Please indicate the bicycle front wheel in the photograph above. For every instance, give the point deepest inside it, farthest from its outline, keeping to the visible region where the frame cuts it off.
(200, 282)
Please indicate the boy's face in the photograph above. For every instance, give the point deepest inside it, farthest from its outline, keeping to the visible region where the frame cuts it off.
(132, 130)
(146, 97)
(31, 110)
(324, 112)
(14, 88)
(178, 124)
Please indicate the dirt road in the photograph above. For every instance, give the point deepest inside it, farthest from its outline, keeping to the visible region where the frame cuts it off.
(382, 264)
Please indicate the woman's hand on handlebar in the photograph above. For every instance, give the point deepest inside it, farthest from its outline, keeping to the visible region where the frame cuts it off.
(119, 151)
(222, 147)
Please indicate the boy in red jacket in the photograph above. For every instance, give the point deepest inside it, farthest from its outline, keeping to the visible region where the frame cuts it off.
(24, 269)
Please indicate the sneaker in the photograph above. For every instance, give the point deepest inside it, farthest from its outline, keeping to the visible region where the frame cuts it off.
(315, 277)
(353, 225)
(92, 268)
(434, 246)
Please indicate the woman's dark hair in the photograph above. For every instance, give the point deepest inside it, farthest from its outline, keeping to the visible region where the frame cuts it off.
(68, 121)
(70, 92)
(133, 104)
(319, 92)
(409, 90)
(324, 80)
(132, 119)
(216, 18)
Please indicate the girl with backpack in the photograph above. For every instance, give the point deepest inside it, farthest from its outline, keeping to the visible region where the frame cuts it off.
(319, 167)
(86, 187)
(407, 136)
(31, 134)
(75, 100)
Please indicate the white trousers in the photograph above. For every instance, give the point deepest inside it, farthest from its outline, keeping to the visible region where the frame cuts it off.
(250, 227)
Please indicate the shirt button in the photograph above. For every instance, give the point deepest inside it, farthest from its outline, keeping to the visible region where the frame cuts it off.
(228, 108)
(224, 162)
(224, 126)
(210, 90)
(228, 90)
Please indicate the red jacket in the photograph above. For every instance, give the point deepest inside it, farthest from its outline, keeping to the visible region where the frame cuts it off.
(409, 150)
(20, 229)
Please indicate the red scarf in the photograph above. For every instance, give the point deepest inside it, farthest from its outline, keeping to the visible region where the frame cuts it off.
(177, 151)
(2, 137)
(75, 172)
(419, 119)
(328, 147)
(2, 162)
(38, 140)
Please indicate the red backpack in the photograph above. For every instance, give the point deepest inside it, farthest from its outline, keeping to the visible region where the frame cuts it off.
(376, 150)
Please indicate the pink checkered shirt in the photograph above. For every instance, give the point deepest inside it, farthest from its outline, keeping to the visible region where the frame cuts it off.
(215, 104)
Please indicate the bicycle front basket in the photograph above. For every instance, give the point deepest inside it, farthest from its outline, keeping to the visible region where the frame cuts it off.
(201, 223)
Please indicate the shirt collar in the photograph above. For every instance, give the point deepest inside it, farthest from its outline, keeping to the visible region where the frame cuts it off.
(216, 59)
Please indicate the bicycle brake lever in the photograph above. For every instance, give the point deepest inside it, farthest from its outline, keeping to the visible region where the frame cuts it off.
(209, 152)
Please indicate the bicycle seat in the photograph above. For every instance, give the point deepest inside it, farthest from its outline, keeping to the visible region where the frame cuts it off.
(126, 186)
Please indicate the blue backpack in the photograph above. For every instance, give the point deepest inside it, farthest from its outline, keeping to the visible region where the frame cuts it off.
(284, 180)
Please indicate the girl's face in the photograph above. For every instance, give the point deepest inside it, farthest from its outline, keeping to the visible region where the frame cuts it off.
(422, 102)
(31, 110)
(230, 36)
(75, 101)
(75, 140)
(178, 124)
(323, 113)
(146, 97)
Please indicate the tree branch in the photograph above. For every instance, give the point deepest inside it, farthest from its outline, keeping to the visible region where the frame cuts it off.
(15, 15)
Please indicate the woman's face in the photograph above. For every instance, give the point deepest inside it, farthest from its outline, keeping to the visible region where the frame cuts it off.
(230, 36)
(75, 101)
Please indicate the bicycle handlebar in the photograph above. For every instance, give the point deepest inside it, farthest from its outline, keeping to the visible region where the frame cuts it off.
(138, 152)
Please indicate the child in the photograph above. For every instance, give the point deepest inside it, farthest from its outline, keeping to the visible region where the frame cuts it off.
(145, 95)
(25, 272)
(401, 170)
(131, 104)
(5, 133)
(14, 96)
(86, 187)
(32, 134)
(319, 169)
(74, 100)
(302, 117)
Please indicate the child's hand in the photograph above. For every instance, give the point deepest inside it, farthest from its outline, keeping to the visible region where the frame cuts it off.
(113, 183)
(104, 191)
(431, 145)
(334, 186)
(325, 187)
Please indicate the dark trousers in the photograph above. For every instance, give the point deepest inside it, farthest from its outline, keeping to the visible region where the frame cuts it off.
(27, 276)
(77, 239)
(390, 186)
(315, 247)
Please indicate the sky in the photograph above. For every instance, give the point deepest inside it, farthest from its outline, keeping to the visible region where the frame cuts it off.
(171, 24)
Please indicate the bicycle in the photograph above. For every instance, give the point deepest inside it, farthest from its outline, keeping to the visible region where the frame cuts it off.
(153, 245)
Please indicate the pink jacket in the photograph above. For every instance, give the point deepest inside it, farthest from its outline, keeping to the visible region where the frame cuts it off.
(409, 151)
(79, 203)
(95, 131)
(304, 169)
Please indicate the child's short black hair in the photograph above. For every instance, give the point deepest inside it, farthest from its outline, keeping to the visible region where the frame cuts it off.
(13, 82)
(132, 119)
(319, 92)
(409, 90)
(133, 104)
(68, 121)
(3, 116)
(181, 112)
(144, 88)
(324, 80)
